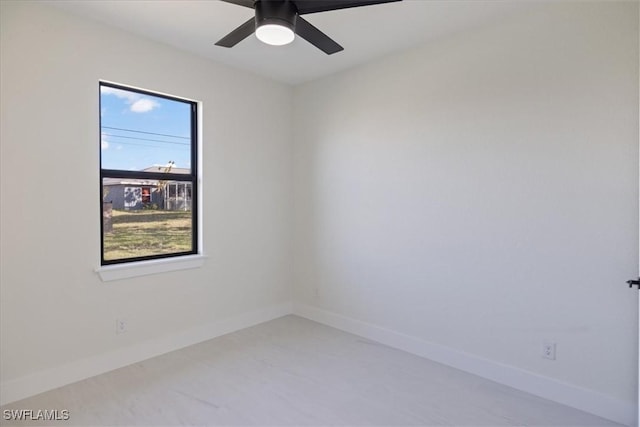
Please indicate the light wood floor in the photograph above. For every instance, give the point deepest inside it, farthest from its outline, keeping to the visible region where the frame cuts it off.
(292, 371)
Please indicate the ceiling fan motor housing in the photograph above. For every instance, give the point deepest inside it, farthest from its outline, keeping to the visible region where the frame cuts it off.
(276, 13)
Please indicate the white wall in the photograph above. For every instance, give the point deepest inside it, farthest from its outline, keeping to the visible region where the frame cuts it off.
(481, 193)
(57, 317)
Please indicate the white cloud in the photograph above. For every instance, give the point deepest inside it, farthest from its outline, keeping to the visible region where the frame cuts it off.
(104, 144)
(137, 102)
(143, 105)
(130, 96)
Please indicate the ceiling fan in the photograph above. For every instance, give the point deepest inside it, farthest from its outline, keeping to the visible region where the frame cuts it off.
(277, 22)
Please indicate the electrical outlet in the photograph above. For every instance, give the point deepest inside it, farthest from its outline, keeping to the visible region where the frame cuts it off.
(121, 326)
(549, 350)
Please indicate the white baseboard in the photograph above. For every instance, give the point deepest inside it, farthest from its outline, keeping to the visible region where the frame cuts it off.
(545, 387)
(39, 382)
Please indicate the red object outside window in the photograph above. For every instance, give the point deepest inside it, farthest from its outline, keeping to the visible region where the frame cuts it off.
(146, 195)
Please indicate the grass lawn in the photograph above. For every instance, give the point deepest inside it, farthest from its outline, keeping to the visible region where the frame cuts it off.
(147, 232)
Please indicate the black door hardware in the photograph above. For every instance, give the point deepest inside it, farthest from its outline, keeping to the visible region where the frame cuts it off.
(633, 283)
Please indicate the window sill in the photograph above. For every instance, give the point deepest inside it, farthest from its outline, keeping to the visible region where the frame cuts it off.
(109, 273)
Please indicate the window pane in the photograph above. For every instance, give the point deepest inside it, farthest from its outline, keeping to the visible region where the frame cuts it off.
(142, 132)
(147, 146)
(141, 219)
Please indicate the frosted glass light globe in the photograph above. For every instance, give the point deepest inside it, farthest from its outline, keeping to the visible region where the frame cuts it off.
(276, 35)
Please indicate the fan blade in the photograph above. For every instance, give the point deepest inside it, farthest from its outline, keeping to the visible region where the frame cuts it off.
(313, 6)
(239, 34)
(245, 3)
(316, 37)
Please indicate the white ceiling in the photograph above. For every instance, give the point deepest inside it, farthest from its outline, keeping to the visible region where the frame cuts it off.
(365, 33)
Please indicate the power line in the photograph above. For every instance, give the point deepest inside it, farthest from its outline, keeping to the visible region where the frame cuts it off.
(144, 145)
(146, 139)
(148, 133)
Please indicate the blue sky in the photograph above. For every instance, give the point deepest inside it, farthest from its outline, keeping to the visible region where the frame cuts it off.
(138, 131)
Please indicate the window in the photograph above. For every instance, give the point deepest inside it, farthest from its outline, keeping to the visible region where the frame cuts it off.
(148, 176)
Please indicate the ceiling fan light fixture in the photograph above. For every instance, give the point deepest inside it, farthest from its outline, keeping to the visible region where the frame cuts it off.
(275, 34)
(275, 22)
